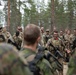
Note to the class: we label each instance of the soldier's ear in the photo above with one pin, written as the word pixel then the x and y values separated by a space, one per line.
pixel 38 39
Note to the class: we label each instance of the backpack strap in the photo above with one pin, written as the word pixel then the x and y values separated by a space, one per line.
pixel 26 58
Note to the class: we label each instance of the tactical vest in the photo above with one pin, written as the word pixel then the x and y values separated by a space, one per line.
pixel 56 43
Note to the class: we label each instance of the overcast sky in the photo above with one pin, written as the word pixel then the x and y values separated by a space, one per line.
pixel 2 3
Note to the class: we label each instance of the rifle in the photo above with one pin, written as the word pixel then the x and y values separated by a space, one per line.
pixel 54 57
pixel 57 52
pixel 48 56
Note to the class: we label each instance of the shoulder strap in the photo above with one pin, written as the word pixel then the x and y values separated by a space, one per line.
pixel 27 58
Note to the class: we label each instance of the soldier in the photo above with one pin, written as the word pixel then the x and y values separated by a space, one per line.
pixel 37 64
pixel 73 43
pixel 68 36
pixel 17 40
pixel 74 35
pixel 20 31
pixel 10 62
pixel 46 36
pixel 42 36
pixel 7 34
pixel 61 35
pixel 55 41
pixel 2 37
pixel 68 41
pixel 72 62
pixel 72 65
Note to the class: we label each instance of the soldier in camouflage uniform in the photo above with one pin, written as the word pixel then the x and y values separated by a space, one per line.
pixel 21 31
pixel 2 37
pixel 7 34
pixel 74 35
pixel 61 35
pixel 46 36
pixel 73 41
pixel 31 39
pixel 68 36
pixel 10 62
pixel 55 41
pixel 17 40
pixel 72 65
pixel 42 36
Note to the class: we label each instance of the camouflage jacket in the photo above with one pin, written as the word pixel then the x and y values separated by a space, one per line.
pixel 44 65
pixel 72 65
pixel 10 62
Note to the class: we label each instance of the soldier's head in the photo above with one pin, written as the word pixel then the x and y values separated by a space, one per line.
pixel 19 29
pixel 66 31
pixel 47 31
pixel 42 29
pixel 10 63
pixel 55 34
pixel 69 32
pixel 31 34
pixel 61 32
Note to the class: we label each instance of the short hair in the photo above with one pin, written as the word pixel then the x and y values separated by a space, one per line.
pixel 31 33
pixel 55 31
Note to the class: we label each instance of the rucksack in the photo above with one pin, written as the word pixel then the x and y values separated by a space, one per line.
pixel 32 65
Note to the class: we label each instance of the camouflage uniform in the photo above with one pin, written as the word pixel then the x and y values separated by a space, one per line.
pixel 44 65
pixel 2 37
pixel 68 37
pixel 72 65
pixel 55 43
pixel 18 41
pixel 10 62
pixel 42 39
pixel 7 35
pixel 46 36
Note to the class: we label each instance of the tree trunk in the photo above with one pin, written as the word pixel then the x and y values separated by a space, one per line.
pixel 70 9
pixel 53 23
pixel 15 18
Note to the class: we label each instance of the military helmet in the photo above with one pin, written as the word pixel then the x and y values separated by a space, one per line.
pixel 10 63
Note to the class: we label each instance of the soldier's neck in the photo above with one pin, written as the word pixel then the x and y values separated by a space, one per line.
pixel 32 47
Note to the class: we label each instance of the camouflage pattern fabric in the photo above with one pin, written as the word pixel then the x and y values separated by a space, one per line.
pixel 2 37
pixel 18 42
pixel 72 65
pixel 10 63
pixel 44 65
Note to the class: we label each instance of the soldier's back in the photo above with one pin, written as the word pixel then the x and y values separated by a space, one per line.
pixel 43 65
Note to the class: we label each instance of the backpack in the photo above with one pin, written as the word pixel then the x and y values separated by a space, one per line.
pixel 32 65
